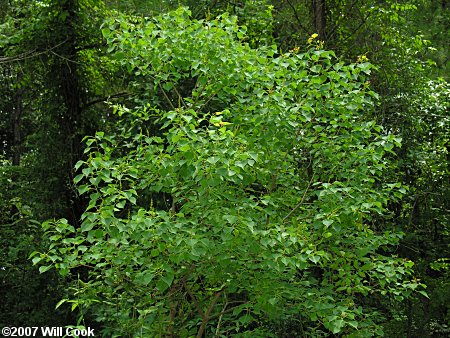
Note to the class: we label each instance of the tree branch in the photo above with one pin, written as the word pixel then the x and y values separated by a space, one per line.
pixel 29 54
pixel 207 315
pixel 297 17
pixel 194 299
pixel 301 201
pixel 106 98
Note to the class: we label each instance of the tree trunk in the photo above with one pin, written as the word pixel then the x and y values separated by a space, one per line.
pixel 319 11
pixel 64 75
pixel 17 118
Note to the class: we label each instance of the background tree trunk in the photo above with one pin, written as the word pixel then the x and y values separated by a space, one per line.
pixel 319 11
pixel 17 118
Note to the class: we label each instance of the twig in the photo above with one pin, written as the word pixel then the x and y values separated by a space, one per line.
pixel 206 317
pixel 301 201
pixel 66 59
pixel 165 95
pixel 194 299
pixel 28 55
pixel 106 98
pixel 180 98
pixel 220 317
pixel 297 17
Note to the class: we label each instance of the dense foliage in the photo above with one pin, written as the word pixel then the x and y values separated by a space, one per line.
pixel 248 169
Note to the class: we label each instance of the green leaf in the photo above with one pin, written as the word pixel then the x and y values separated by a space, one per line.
pixel 43 269
pixel 213 159
pixel 83 189
pixel 120 204
pixel 327 222
pixel 61 302
pixel 145 277
pixel 168 278
pixel 353 323
pixel 87 226
pixel 314 259
pixel 78 164
pixel 36 260
pixel 423 293
pixel 161 286
pixel 327 234
pixel 106 32
pixel 230 218
pixel 337 325
pixel 78 178
pixel 168 86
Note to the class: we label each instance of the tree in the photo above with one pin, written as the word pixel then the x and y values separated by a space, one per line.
pixel 270 177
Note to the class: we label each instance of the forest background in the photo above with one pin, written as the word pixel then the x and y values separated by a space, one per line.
pixel 281 170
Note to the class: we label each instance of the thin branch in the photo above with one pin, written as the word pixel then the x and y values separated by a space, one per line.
pixel 207 317
pixel 297 17
pixel 194 299
pixel 220 316
pixel 333 30
pixel 17 57
pixel 180 98
pixel 165 95
pixel 212 5
pixel 207 101
pixel 301 201
pixel 227 310
pixel 106 98
pixel 364 21
pixel 65 58
pixel 29 54
pixel 91 46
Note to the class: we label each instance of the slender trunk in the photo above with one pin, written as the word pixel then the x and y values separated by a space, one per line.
pixel 409 333
pixel 66 73
pixel 17 118
pixel 319 18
